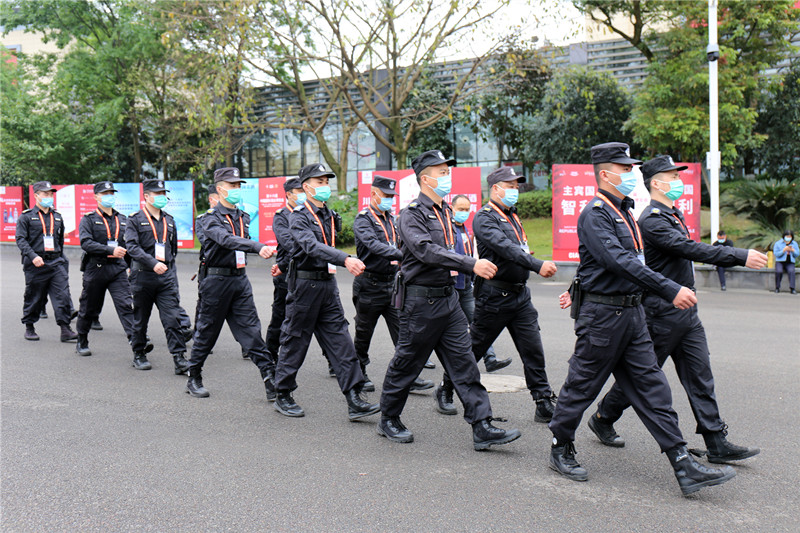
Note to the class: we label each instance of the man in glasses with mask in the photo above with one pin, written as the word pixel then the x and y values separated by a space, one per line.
pixel 611 328
pixel 40 239
pixel 152 243
pixel 313 305
pixel 431 317
pixel 104 265
pixel 670 250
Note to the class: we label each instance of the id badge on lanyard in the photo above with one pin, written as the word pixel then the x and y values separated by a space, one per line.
pixel 393 246
pixel 331 268
pixel 640 257
pixel 112 244
pixel 49 243
pixel 241 262
pixel 161 251
pixel 525 248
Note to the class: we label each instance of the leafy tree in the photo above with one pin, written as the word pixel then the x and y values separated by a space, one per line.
pixel 428 94
pixel 774 206
pixel 580 108
pixel 779 122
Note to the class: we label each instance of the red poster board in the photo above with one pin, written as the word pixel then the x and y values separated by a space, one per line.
pixel 575 185
pixel 12 206
pixel 466 180
pixel 271 197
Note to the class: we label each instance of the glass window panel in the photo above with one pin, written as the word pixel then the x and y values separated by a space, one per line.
pixel 274 141
pixel 291 148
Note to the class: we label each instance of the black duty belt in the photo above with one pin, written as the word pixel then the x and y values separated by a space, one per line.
pixel 619 300
pixel 386 278
pixel 314 274
pixel 429 292
pixel 505 285
pixel 51 255
pixel 222 271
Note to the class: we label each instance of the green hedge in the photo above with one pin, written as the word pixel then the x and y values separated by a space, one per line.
pixel 535 204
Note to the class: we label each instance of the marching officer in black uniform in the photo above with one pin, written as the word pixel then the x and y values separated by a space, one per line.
pixel 293 190
pixel 505 300
pixel 313 305
pixel 225 290
pixel 670 250
pixel 376 244
pixel 152 243
pixel 430 314
pixel 611 328
pixel 40 239
pixel 104 266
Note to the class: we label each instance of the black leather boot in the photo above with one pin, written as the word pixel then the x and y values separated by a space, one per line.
pixel 269 386
pixel 691 475
pixel 368 385
pixel 30 333
pixel 443 396
pixel 545 407
pixel 195 387
pixel 421 384
pixel 562 460
pixel 96 325
pixel 285 405
pixel 358 406
pixel 82 346
pixel 394 430
pixel 605 431
pixel 148 347
pixel 140 361
pixel 43 314
pixel 722 451
pixel 181 364
pixel 493 364
pixel 67 335
pixel 484 434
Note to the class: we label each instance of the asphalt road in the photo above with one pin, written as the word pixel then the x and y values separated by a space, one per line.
pixel 90 444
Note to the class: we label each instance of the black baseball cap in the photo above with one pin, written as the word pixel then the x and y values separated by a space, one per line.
pixel 292 183
pixel 229 174
pixel 431 158
pixel 314 170
pixel 660 163
pixel 619 153
pixel 43 186
pixel 387 185
pixel 154 186
pixel 504 174
pixel 212 189
pixel 104 186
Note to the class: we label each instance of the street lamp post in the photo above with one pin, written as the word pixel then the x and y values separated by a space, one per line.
pixel 713 156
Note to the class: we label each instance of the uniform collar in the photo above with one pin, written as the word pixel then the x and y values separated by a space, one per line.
pixel 665 208
pixel 36 209
pixel 620 203
pixel 226 211
pixel 507 210
pixel 428 202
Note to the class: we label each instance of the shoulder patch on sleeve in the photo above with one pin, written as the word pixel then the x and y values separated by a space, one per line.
pixel 597 203
pixel 487 209
pixel 210 211
pixel 299 207
pixel 200 216
pixel 26 210
pixel 278 210
pixel 132 214
pixel 363 211
pixel 656 210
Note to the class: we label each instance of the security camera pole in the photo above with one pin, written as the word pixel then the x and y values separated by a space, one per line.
pixel 713 156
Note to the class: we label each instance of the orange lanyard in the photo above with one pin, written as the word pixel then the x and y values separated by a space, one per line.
pixel 152 226
pixel 637 237
pixel 467 242
pixel 682 224
pixel 44 228
pixel 241 226
pixel 321 229
pixel 394 235
pixel 108 230
pixel 524 237
pixel 452 242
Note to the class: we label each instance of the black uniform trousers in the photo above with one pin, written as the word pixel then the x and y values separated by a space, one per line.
pixel 679 333
pixel 50 280
pixel 615 339
pixel 496 309
pixel 428 324
pixel 280 291
pixel 97 278
pixel 314 307
pixel 228 298
pixel 162 290
pixel 372 299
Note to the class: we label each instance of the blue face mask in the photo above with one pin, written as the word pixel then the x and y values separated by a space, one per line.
pixel 108 200
pixel 386 203
pixel 461 216
pixel 322 193
pixel 443 185
pixel 628 182
pixel 47 202
pixel 721 241
pixel 160 201
pixel 301 198
pixel 234 196
pixel 788 238
pixel 510 198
